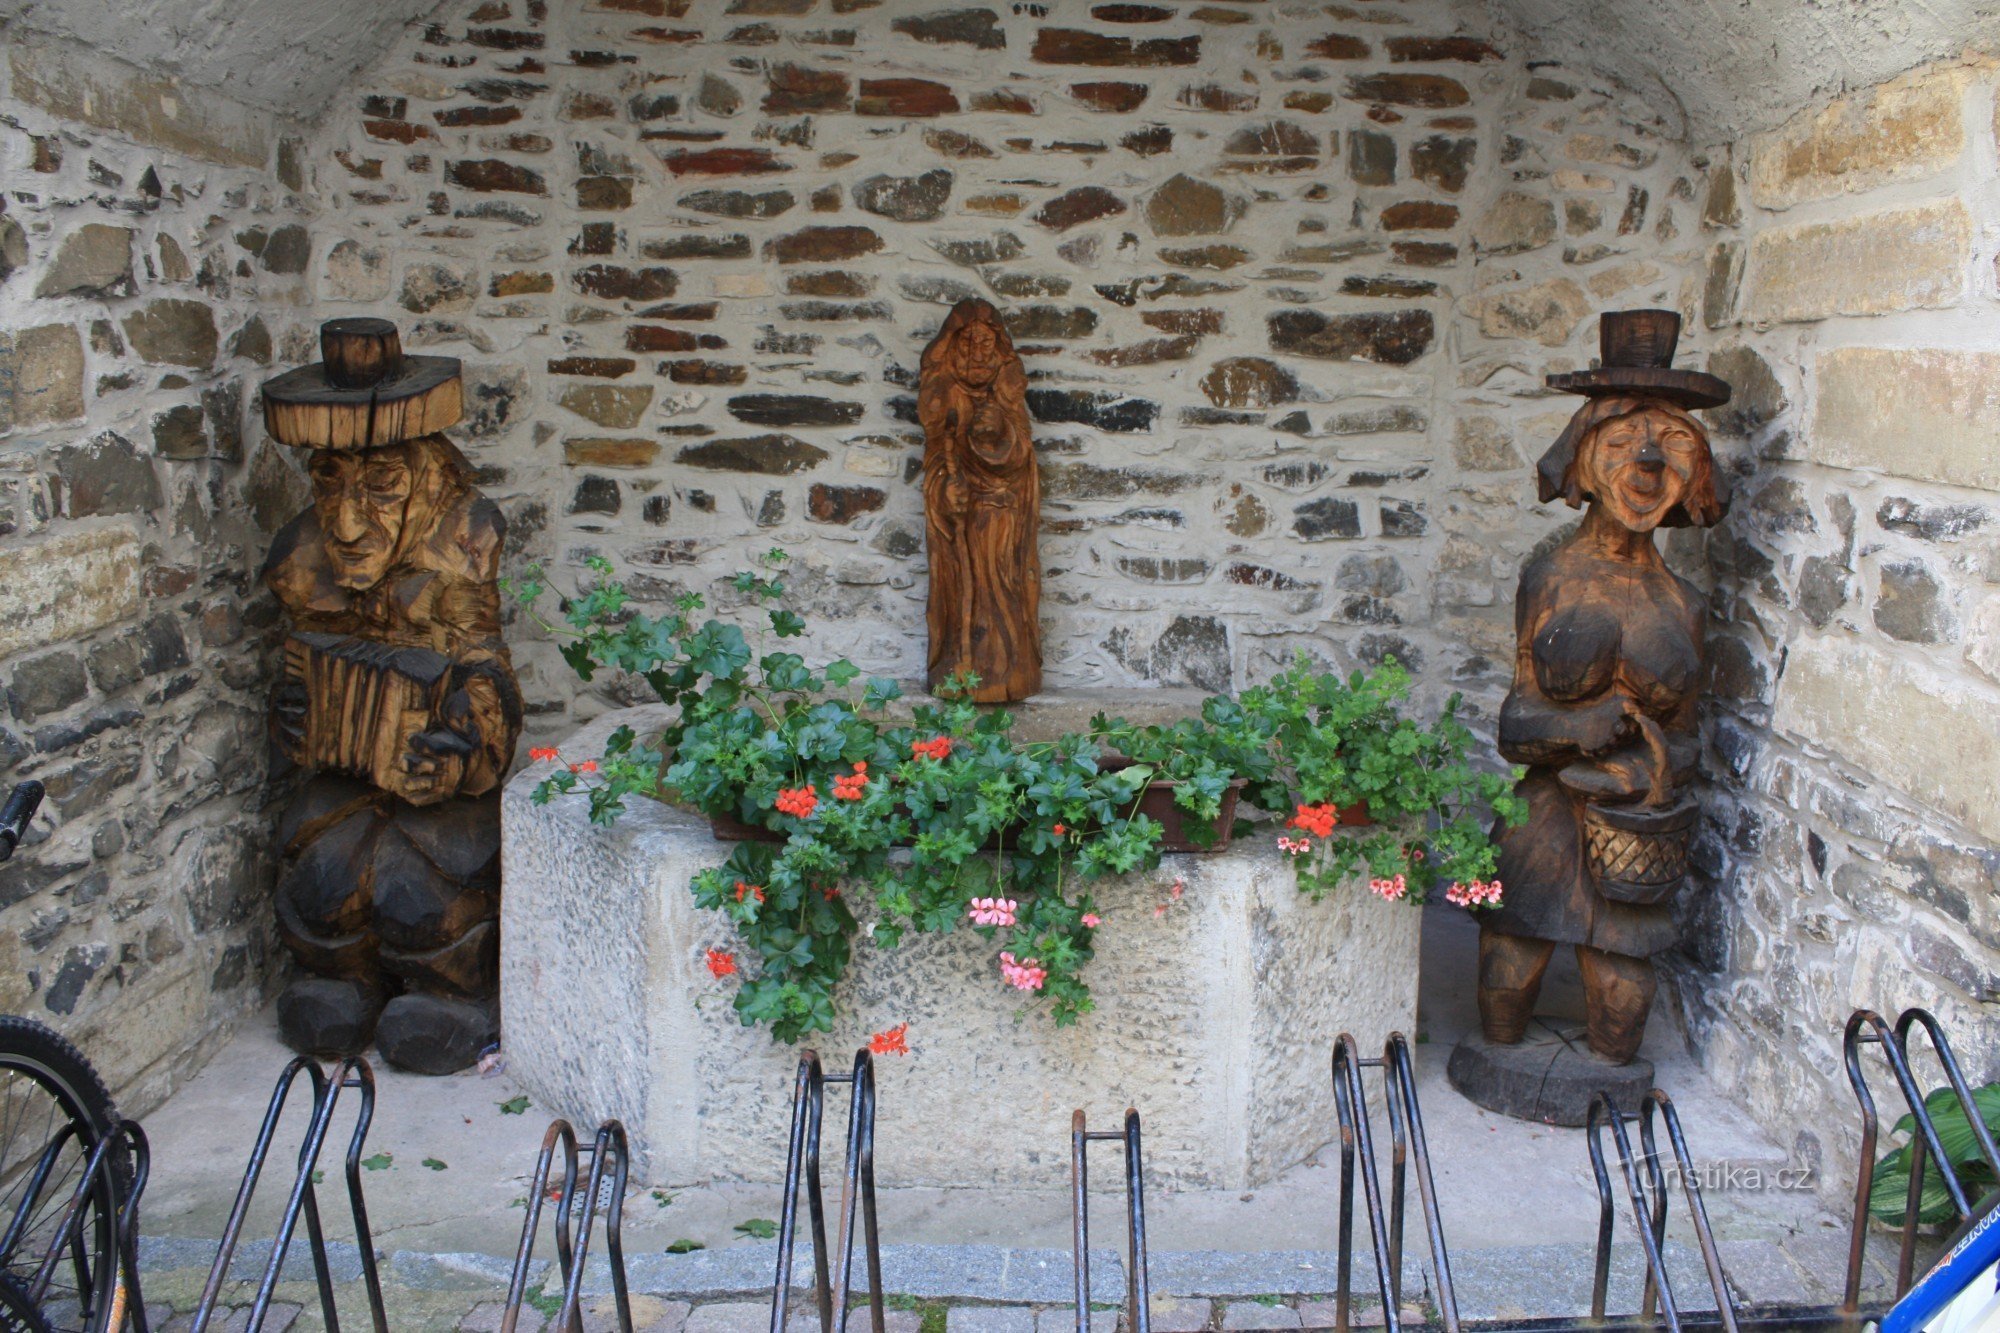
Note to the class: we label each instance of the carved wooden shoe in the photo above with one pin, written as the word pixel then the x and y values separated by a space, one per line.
pixel 328 1016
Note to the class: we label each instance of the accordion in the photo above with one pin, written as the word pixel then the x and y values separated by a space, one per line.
pixel 359 702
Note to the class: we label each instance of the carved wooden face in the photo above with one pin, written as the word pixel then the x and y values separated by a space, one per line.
pixel 976 358
pixel 1639 466
pixel 362 498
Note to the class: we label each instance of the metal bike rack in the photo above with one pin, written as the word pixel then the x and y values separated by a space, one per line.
pixel 1406 1128
pixel 1138 1294
pixel 857 1189
pixel 353 1072
pixel 572 1234
pixel 1868 1028
pixel 1649 1207
pixel 1646 1187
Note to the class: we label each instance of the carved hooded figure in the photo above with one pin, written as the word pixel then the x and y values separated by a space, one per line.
pixel 397 694
pixel 982 508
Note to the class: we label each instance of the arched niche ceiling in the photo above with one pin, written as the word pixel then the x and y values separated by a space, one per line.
pixel 1717 67
pixel 291 57
pixel 1730 67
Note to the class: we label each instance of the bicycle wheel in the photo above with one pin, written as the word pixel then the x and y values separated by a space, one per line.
pixel 18 1314
pixel 54 1110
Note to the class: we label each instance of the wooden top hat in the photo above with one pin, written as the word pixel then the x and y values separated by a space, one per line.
pixel 364 393
pixel 1637 357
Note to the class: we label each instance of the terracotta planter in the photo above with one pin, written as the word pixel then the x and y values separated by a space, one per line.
pixel 1157 804
pixel 1353 816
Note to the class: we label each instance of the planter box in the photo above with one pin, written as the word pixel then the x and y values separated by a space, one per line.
pixel 1216 1019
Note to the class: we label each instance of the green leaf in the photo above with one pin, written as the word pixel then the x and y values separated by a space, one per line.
pixel 379 1162
pixel 841 673
pixel 434 1164
pixel 763 1228
pixel 787 624
pixel 577 654
pixel 685 1247
pixel 661 1198
pixel 515 1105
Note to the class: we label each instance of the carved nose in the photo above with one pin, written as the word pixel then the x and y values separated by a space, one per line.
pixel 348 524
pixel 1651 457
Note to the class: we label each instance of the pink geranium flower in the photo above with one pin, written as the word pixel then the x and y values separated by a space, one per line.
pixel 1026 974
pixel 1479 893
pixel 993 911
pixel 1394 889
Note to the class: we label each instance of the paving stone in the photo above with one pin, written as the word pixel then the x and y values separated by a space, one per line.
pixel 486 1317
pixel 991 1319
pixel 277 1319
pixel 1760 1273
pixel 1168 1314
pixel 729 1317
pixel 1062 1319
pixel 1255 1314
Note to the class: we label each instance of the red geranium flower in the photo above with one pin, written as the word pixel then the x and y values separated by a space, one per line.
pixel 721 963
pixel 892 1041
pixel 798 801
pixel 938 747
pixel 1317 820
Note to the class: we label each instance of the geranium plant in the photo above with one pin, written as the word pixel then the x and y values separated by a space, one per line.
pixel 873 825
pixel 1346 745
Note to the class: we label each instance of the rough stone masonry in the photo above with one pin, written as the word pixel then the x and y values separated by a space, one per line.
pixel 152 253
pixel 1287 278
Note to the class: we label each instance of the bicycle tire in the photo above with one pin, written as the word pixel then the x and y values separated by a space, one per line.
pixel 18 1314
pixel 47 1058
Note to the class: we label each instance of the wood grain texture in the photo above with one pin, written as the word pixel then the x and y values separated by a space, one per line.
pixel 396 691
pixel 982 508
pixel 1610 666
pixel 304 409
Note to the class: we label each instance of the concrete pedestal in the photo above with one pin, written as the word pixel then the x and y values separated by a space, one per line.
pixel 1216 1019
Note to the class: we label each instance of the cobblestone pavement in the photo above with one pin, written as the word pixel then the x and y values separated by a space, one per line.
pixel 985 1289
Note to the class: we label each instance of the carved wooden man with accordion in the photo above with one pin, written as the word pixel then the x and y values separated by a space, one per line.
pixel 396 692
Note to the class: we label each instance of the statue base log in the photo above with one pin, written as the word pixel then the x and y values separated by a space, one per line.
pixel 1216 1018
pixel 1551 1075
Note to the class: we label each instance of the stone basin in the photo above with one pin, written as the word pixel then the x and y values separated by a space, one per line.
pixel 1215 1018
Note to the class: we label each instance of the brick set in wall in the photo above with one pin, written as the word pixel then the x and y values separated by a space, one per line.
pixel 1854 831
pixel 1285 284
pixel 132 638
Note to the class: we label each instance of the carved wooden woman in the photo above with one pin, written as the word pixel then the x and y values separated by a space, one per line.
pixel 982 508
pixel 1608 674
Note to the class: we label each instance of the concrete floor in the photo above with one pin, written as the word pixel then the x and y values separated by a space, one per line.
pixel 1501 1183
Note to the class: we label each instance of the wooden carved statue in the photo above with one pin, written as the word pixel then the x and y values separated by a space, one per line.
pixel 397 694
pixel 1608 674
pixel 982 508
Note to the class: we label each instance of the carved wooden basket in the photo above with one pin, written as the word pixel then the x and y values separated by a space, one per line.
pixel 1638 854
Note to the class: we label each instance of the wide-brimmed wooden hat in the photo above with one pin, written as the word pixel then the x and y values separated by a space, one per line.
pixel 364 393
pixel 1636 356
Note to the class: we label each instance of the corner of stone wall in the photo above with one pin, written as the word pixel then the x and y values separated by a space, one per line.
pixel 1850 851
pixel 154 242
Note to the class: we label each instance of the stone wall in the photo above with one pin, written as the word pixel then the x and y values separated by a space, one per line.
pixel 1286 282
pixel 1851 296
pixel 153 260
